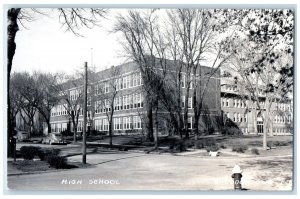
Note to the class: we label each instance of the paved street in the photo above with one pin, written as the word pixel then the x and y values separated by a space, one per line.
pixel 139 171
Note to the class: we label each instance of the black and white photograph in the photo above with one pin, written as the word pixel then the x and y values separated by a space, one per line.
pixel 157 98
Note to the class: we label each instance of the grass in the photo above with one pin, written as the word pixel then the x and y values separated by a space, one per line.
pixel 30 165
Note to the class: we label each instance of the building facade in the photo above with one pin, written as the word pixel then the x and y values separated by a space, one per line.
pixel 123 85
pixel 246 114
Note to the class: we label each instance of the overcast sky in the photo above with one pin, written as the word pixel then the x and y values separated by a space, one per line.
pixel 45 46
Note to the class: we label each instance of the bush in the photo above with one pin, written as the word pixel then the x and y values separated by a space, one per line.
pixel 206 143
pixel 240 148
pixel 222 146
pixel 67 133
pixel 213 148
pixel 232 131
pixel 44 153
pixel 57 162
pixel 178 146
pixel 199 144
pixel 28 152
pixel 255 151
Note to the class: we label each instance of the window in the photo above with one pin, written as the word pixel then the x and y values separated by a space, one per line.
pixel 245 117
pixel 64 126
pixel 190 103
pixel 234 117
pixel 139 100
pixel 105 125
pixel 79 127
pixel 137 122
pixel 227 102
pixel 234 103
pixel 223 102
pixel 89 101
pixel 182 81
pixel 107 105
pixel 121 82
pixel 183 101
pixel 124 82
pixel 191 82
pixel 190 122
pixel 134 79
pixel 106 87
pixel 98 125
pixel 140 79
pixel 89 89
pixel 129 81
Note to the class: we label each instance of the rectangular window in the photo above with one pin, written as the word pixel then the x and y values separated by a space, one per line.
pixel 182 81
pixel 134 80
pixel 190 103
pixel 227 102
pixel 140 79
pixel 64 126
pixel 190 122
pixel 182 101
pixel 124 82
pixel 79 127
pixel 105 125
pixel 98 125
pixel 106 87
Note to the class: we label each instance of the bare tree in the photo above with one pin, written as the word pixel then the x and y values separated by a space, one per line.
pixel 143 45
pixel 26 86
pixel 71 18
pixel 47 89
pixel 197 40
pixel 106 94
pixel 71 97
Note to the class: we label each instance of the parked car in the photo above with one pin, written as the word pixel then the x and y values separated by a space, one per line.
pixel 53 139
pixel 22 135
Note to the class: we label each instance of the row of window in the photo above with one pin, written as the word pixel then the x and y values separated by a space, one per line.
pixel 281 130
pixel 182 82
pixel 59 127
pixel 283 107
pixel 238 117
pixel 244 130
pixel 124 102
pixel 237 103
pixel 59 110
pixel 128 81
pixel 190 102
pixel 127 123
pixel 74 94
pixel 282 119
pixel 120 123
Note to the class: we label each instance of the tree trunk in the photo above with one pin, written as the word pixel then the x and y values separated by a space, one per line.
pixel 156 129
pixel 255 118
pixel 12 28
pixel 49 127
pixel 150 121
pixel 196 127
pixel 110 132
pixel 75 132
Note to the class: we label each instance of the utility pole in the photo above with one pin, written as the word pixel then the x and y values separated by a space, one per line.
pixel 84 115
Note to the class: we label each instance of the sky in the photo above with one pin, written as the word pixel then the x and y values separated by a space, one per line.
pixel 44 45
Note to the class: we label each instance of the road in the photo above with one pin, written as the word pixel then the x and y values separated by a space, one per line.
pixel 139 171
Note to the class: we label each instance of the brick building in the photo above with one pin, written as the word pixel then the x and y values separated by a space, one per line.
pixel 244 112
pixel 124 85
